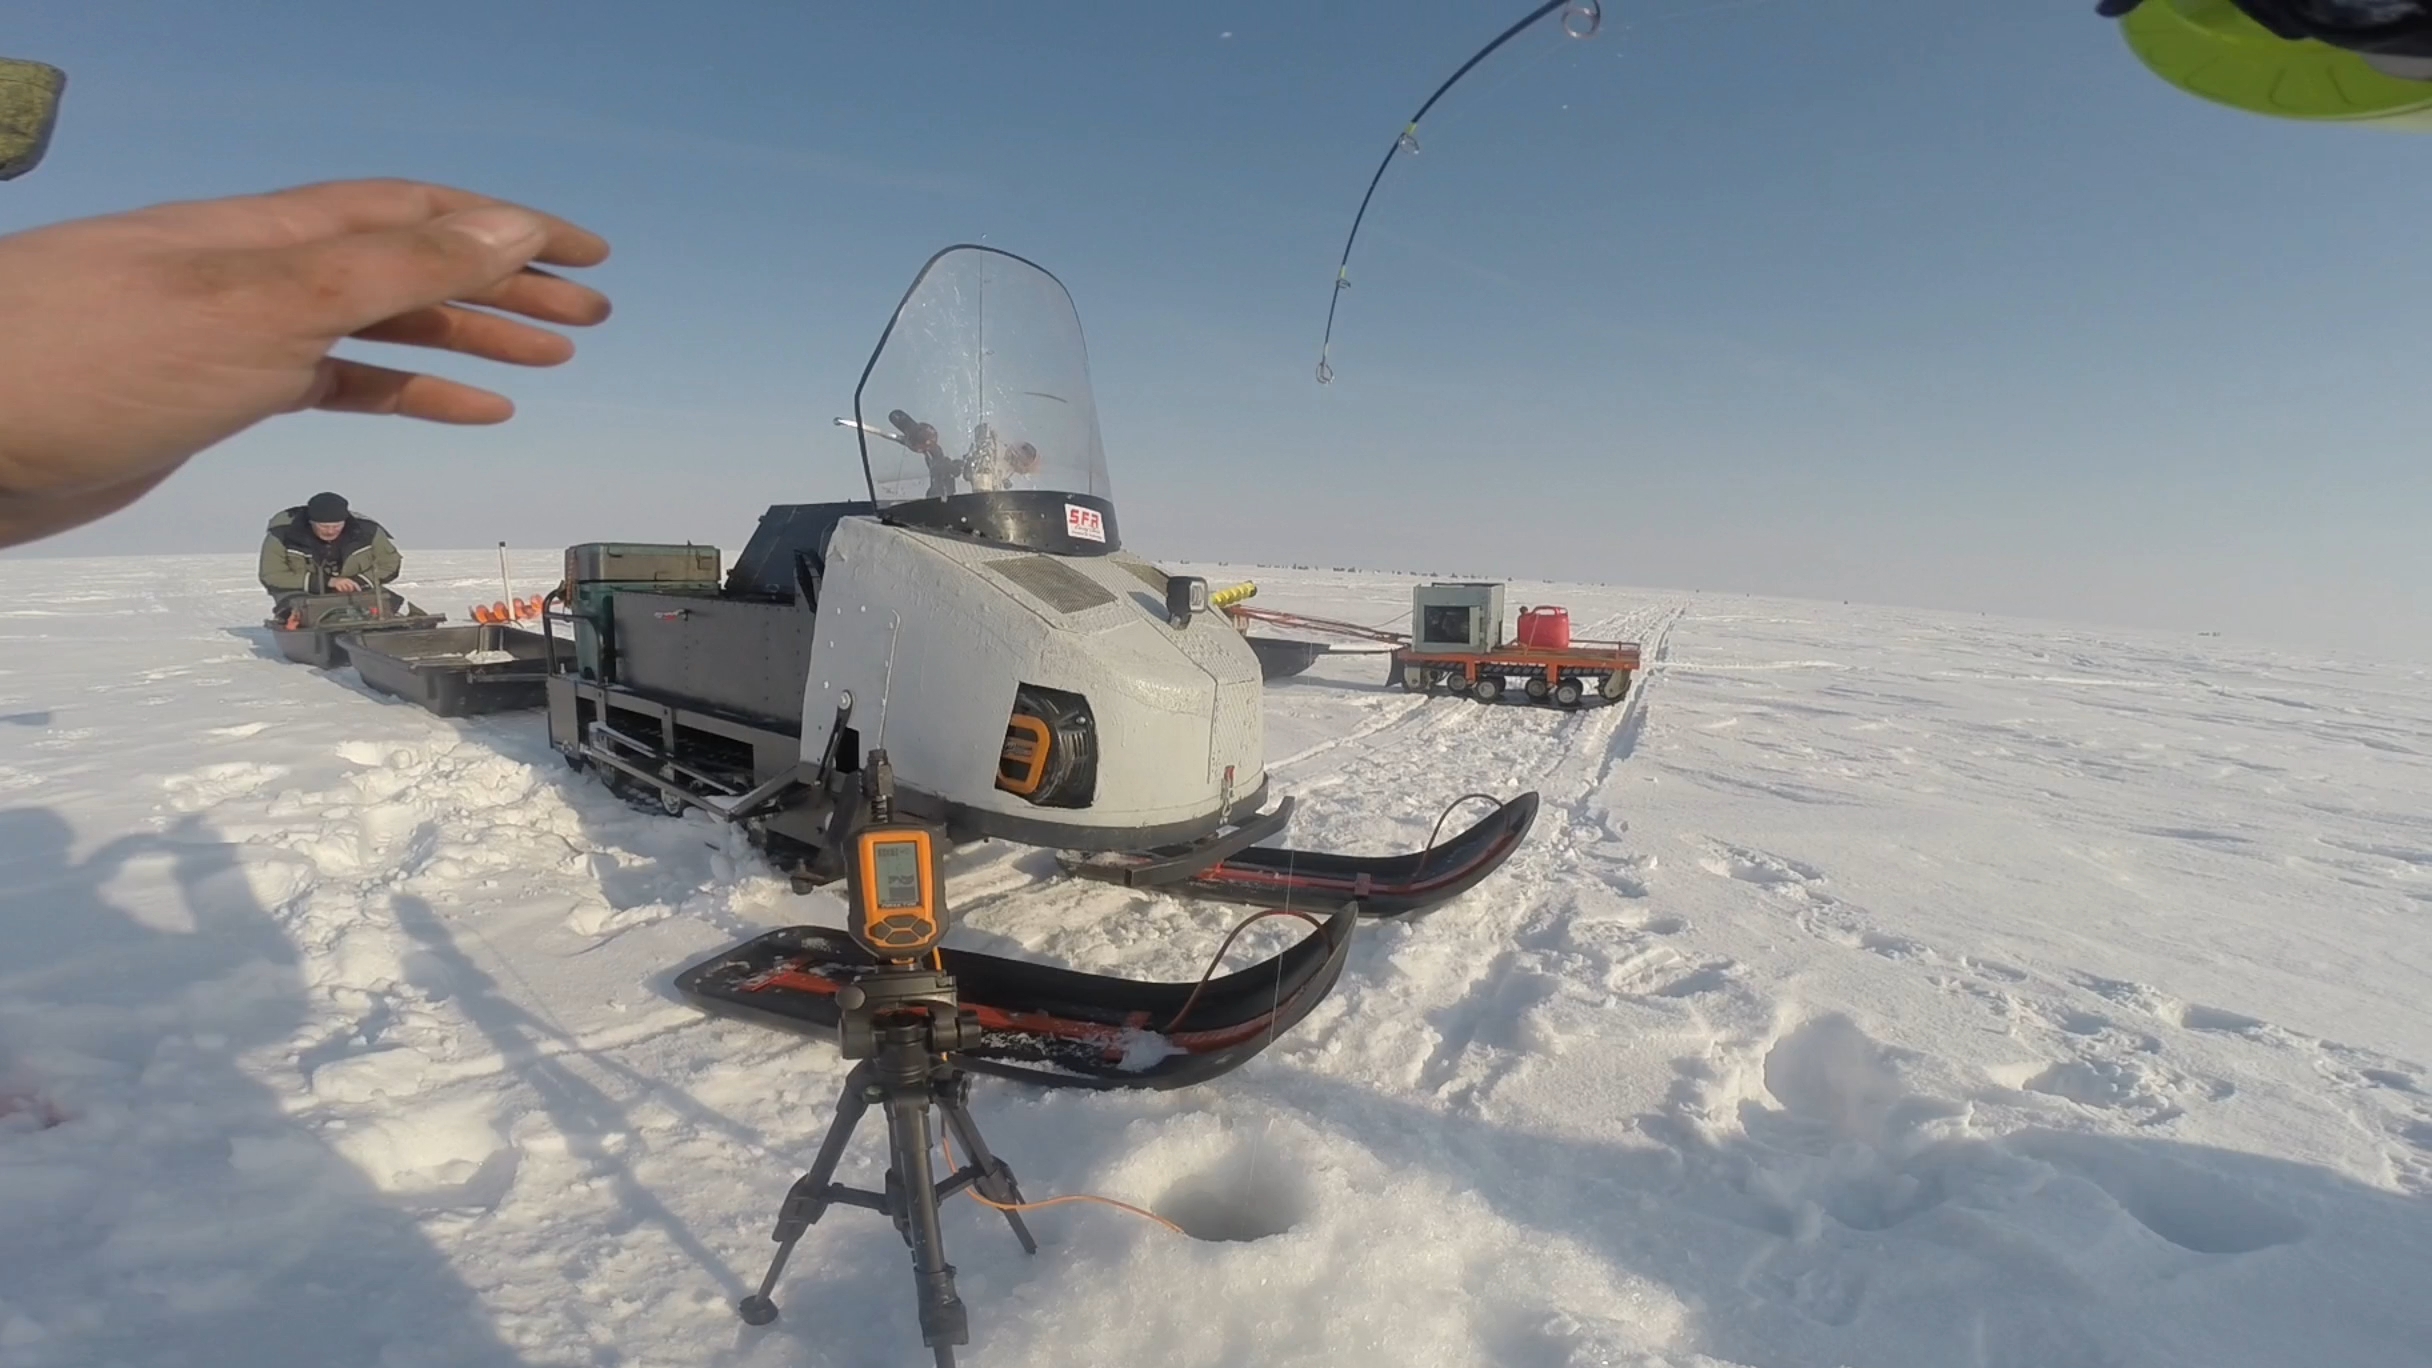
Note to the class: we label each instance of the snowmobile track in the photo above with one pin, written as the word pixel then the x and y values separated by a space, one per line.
pixel 1495 954
pixel 1385 724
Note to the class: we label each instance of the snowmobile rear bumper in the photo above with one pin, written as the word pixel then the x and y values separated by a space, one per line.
pixel 1314 881
pixel 1042 1025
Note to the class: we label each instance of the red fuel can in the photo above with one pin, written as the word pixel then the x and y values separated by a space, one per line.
pixel 1545 629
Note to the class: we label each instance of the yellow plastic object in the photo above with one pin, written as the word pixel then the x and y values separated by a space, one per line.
pixel 29 108
pixel 1226 598
pixel 1022 766
pixel 2210 49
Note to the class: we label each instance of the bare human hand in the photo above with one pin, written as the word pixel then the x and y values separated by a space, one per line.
pixel 344 585
pixel 130 342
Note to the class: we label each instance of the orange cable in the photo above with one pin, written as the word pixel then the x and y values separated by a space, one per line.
pixel 947 1144
pixel 1218 959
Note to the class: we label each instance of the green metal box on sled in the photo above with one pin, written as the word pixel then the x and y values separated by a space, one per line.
pixel 597 571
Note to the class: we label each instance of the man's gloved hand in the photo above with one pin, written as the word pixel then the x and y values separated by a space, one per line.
pixel 130 342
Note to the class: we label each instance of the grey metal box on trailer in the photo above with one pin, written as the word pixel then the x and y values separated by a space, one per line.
pixel 641 563
pixel 1456 617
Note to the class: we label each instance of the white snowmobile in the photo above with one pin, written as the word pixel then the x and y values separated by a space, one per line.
pixel 979 619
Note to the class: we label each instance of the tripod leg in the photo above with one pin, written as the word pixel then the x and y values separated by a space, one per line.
pixel 996 1176
pixel 942 1320
pixel 807 1201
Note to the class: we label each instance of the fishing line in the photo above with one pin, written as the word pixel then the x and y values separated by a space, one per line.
pixel 1524 61
pixel 1580 19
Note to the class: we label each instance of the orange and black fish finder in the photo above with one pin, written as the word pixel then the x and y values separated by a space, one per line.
pixel 894 880
pixel 898 893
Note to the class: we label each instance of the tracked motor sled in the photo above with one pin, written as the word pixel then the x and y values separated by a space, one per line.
pixel 1032 680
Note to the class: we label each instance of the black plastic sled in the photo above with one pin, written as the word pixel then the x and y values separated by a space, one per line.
pixel 1314 881
pixel 430 667
pixel 316 632
pixel 1052 1027
pixel 1281 658
pixel 321 649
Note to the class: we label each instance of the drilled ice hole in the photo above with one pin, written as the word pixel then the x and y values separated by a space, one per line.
pixel 1250 1194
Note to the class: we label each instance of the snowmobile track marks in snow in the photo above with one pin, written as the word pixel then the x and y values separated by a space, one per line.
pixel 1634 716
pixel 1388 722
pixel 1479 1025
pixel 1484 1033
pixel 1762 868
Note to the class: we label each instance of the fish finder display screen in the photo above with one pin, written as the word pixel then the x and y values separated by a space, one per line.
pixel 898 874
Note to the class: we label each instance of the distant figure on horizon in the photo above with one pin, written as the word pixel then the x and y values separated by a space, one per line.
pixel 321 546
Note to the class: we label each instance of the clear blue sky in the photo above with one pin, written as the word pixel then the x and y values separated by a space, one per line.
pixel 1899 301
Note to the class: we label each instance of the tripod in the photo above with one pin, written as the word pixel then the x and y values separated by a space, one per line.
pixel 903 1025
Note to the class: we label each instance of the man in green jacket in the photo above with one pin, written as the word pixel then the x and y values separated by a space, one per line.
pixel 322 547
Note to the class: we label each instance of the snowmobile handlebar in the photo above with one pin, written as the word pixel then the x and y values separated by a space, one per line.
pixel 917 435
pixel 921 439
pixel 898 439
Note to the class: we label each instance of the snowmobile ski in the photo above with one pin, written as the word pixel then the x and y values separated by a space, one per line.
pixel 1315 881
pixel 1043 1025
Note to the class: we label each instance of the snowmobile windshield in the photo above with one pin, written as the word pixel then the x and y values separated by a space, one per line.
pixel 975 414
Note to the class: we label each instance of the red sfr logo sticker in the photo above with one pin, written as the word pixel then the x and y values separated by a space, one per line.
pixel 1086 523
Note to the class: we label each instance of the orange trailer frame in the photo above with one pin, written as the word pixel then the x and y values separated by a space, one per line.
pixel 1485 675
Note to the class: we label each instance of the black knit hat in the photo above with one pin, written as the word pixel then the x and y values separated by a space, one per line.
pixel 326 508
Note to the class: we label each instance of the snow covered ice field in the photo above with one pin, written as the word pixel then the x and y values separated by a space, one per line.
pixel 1879 988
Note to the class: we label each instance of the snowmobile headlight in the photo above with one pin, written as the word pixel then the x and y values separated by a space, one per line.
pixel 1050 755
pixel 1185 596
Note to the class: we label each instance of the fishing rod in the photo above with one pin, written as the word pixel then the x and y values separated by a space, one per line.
pixel 1580 19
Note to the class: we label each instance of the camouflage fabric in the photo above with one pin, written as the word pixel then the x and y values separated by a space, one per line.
pixel 29 108
pixel 296 562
